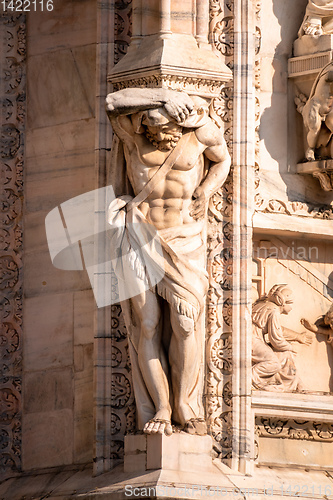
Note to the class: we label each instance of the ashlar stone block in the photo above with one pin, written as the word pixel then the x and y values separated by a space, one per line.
pixel 179 452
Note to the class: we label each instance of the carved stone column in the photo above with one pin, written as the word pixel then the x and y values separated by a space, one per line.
pixel 243 208
pixel 168 50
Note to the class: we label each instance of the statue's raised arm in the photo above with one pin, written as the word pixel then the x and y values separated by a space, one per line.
pixel 128 101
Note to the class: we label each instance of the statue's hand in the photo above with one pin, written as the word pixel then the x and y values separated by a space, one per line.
pixel 198 206
pixel 309 326
pixel 305 338
pixel 178 105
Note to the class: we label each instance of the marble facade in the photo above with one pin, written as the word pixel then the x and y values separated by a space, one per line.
pixel 69 417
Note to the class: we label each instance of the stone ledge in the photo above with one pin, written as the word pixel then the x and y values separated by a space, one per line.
pixel 292 226
pixel 301 406
pixel 307 45
pixel 266 482
pixel 311 167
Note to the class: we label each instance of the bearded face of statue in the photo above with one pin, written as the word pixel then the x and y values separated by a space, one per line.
pixel 164 137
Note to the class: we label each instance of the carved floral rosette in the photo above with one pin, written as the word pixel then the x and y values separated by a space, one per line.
pixel 13 52
pixel 122 28
pixel 123 414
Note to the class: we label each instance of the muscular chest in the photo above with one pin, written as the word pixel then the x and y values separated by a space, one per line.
pixel 152 158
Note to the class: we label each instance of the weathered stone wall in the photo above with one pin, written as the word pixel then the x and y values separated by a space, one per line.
pixel 58 305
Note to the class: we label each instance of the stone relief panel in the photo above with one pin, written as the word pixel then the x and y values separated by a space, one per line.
pixel 307 268
pixel 280 152
pixel 12 95
pixel 278 205
pixel 273 364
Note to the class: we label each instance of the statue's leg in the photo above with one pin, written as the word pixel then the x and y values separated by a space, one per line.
pixel 329 121
pixel 313 122
pixel 184 357
pixel 328 26
pixel 152 362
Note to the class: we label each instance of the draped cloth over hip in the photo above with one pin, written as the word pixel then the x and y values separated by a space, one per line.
pixel 322 8
pixel 183 284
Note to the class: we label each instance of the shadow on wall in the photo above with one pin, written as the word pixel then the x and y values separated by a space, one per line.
pixel 330 346
pixel 286 146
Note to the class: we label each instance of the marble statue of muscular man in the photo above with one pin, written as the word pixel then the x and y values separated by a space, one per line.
pixel 318 19
pixel 163 322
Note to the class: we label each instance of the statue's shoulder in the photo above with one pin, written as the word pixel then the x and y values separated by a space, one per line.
pixel 209 134
pixel 265 306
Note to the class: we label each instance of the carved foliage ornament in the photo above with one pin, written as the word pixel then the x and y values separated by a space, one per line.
pixel 12 95
pixel 294 429
pixel 123 419
pixel 220 256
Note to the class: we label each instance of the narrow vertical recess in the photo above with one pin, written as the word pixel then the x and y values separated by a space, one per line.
pixel 243 206
pixel 165 13
pixel 136 21
pixel 202 21
pixel 105 49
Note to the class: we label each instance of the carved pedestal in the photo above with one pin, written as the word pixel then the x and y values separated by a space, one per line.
pixel 181 452
pixel 311 46
pixel 321 169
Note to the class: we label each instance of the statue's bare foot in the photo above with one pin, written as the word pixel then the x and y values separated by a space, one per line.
pixel 196 426
pixel 158 426
pixel 309 154
pixel 312 26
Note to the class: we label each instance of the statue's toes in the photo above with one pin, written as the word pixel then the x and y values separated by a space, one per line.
pixel 196 426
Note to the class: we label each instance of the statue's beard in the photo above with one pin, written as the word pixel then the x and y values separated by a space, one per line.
pixel 168 142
